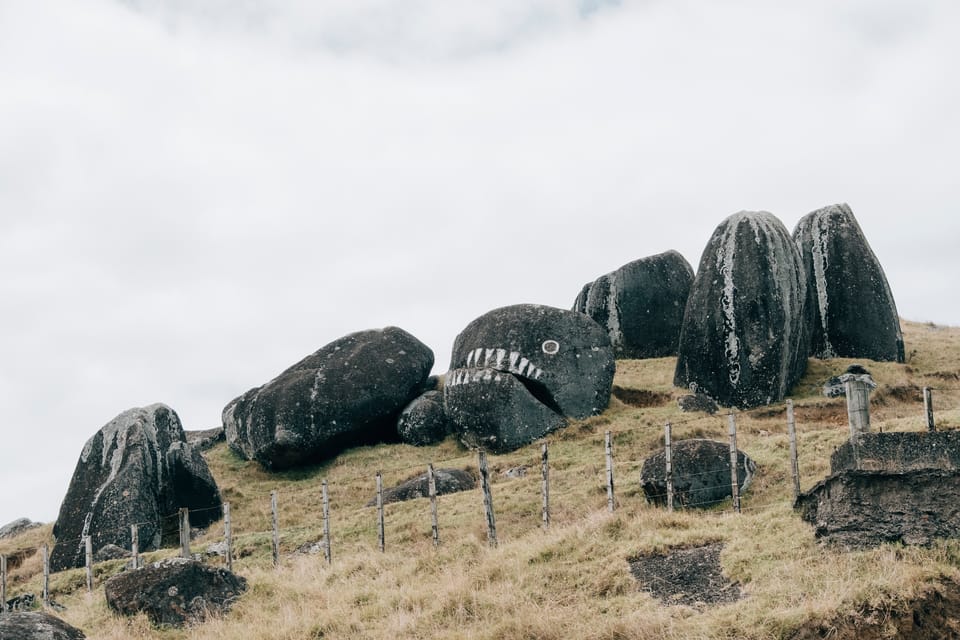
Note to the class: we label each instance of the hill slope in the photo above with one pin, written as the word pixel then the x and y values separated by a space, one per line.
pixel 573 579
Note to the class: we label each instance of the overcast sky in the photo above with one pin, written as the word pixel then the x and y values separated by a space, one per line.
pixel 194 194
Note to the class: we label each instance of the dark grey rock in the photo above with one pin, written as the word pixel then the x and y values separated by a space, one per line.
pixel 850 308
pixel 30 625
pixel 515 472
pixel 175 592
pixel 701 473
pixel 206 439
pixel 744 341
pixel 140 469
pixel 858 509
pixel 518 372
pixel 898 451
pixel 641 305
pixel 349 392
pixel 111 552
pixel 22 602
pixel 424 421
pixel 697 402
pixel 835 386
pixel 446 481
pixel 18 526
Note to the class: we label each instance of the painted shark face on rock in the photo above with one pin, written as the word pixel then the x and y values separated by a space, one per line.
pixel 518 372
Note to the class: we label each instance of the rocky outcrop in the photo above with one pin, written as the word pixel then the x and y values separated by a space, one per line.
pixel 850 308
pixel 697 402
pixel 111 552
pixel 175 592
pixel 701 473
pixel 138 468
pixel 206 439
pixel 424 421
pixel 349 392
pixel 18 526
pixel 640 305
pixel 743 340
pixel 445 480
pixel 29 625
pixel 518 372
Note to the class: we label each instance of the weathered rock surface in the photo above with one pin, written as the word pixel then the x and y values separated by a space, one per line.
pixel 424 421
pixel 138 468
pixel 29 625
pixel 641 305
pixel 701 473
pixel 22 602
pixel 850 308
pixel 697 402
pixel 111 552
pixel 349 392
pixel 446 481
pixel 888 487
pixel 743 340
pixel 518 372
pixel 18 526
pixel 206 438
pixel 175 592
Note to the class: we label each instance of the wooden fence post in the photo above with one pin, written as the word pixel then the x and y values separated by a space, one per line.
pixel 184 532
pixel 545 484
pixel 381 533
pixel 609 453
pixel 794 461
pixel 3 584
pixel 734 476
pixel 228 535
pixel 928 408
pixel 45 588
pixel 135 545
pixel 434 521
pixel 668 462
pixel 88 553
pixel 326 523
pixel 275 515
pixel 487 499
pixel 858 403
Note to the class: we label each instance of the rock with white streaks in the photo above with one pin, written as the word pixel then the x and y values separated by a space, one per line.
pixel 518 372
pixel 641 305
pixel 347 393
pixel 850 308
pixel 744 339
pixel 139 469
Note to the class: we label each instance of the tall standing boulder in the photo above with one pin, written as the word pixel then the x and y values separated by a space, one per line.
pixel 139 469
pixel 349 392
pixel 743 340
pixel 641 305
pixel 850 308
pixel 518 372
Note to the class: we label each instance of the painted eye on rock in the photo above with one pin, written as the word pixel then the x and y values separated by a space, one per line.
pixel 550 347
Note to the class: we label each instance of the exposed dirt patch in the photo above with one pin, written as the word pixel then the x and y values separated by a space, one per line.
pixel 933 615
pixel 690 576
pixel 827 413
pixel 640 397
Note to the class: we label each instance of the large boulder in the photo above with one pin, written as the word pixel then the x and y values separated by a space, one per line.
pixel 175 592
pixel 424 421
pixel 18 526
pixel 444 480
pixel 850 308
pixel 139 469
pixel 30 625
pixel 701 473
pixel 641 305
pixel 347 393
pixel 743 341
pixel 518 372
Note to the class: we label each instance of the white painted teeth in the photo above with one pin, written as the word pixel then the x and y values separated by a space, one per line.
pixel 514 356
pixel 523 365
pixel 499 360
pixel 501 354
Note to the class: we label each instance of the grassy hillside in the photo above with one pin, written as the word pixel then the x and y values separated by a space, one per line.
pixel 572 580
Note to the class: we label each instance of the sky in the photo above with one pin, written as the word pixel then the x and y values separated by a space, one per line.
pixel 195 194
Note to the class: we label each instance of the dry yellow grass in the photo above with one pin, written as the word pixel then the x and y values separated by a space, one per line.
pixel 572 580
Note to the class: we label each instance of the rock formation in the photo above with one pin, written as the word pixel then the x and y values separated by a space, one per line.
pixel 640 305
pixel 701 473
pixel 424 421
pixel 137 469
pixel 850 308
pixel 175 592
pixel 347 393
pixel 518 372
pixel 445 481
pixel 18 526
pixel 30 625
pixel 743 341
